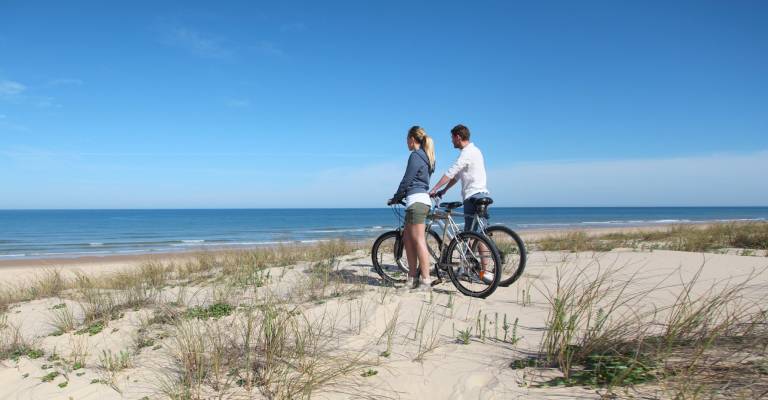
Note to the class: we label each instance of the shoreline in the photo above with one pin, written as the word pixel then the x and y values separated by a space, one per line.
pixel 78 260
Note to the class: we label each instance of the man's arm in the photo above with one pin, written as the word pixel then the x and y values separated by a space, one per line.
pixel 450 176
pixel 448 182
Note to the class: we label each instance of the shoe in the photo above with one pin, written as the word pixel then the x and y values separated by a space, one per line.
pixel 424 285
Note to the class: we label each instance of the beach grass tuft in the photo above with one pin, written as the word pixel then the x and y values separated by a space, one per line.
pixel 693 238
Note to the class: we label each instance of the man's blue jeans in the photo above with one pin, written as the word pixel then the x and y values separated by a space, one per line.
pixel 470 210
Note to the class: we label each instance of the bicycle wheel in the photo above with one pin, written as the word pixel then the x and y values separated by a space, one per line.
pixel 434 247
pixel 386 255
pixel 473 264
pixel 511 251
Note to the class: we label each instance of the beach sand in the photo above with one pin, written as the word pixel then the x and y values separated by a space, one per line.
pixel 425 360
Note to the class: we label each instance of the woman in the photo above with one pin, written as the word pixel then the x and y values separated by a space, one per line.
pixel 414 189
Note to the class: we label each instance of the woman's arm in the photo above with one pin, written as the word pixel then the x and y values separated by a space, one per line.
pixel 410 173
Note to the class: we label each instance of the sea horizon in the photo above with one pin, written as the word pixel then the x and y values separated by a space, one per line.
pixel 54 233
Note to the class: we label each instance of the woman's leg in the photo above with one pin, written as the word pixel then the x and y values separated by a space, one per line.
pixel 418 236
pixel 410 251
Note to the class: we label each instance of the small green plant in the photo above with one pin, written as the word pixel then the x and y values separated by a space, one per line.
pixel 59 306
pixel 215 311
pixel 514 339
pixel 63 384
pixel 78 365
pixel 50 376
pixel 618 370
pixel 369 372
pixel 531 362
pixel 143 342
pixel 92 329
pixel 465 335
pixel 34 353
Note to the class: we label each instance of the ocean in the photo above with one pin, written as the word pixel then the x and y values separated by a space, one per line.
pixel 73 233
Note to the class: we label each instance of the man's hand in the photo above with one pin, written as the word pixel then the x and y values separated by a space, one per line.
pixel 437 193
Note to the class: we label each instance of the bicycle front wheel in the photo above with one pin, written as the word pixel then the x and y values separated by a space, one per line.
pixel 388 257
pixel 512 252
pixel 473 263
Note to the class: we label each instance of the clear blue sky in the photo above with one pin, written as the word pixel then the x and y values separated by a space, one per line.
pixel 306 104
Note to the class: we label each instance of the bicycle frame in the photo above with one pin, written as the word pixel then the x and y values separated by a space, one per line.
pixel 449 227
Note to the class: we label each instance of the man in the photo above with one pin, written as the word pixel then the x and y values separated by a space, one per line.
pixel 470 169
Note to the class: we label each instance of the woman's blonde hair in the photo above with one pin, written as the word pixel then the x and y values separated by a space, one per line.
pixel 427 144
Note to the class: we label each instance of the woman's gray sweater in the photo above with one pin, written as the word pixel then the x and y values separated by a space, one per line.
pixel 416 177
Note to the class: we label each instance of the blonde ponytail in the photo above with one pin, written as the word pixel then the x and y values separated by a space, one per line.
pixel 429 147
pixel 426 143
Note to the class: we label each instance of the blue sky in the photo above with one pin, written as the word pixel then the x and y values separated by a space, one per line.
pixel 306 104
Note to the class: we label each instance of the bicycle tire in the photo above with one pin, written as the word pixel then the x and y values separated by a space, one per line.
pixel 434 247
pixel 471 268
pixel 386 256
pixel 511 251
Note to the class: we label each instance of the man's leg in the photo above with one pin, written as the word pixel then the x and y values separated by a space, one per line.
pixel 471 225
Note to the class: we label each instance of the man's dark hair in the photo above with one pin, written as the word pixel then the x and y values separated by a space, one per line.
pixel 461 131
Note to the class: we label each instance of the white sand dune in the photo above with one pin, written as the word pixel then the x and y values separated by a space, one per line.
pixel 426 361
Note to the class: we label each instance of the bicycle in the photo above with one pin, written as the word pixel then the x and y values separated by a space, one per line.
pixel 510 245
pixel 387 253
pixel 471 259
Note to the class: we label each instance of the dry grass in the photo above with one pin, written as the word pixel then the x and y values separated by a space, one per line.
pixel 602 331
pixel 12 342
pixel 753 236
pixel 271 350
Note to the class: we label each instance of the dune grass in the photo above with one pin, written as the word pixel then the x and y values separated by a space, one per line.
pixel 602 331
pixel 271 350
pixel 752 236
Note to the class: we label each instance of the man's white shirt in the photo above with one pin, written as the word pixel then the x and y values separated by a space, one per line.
pixel 470 168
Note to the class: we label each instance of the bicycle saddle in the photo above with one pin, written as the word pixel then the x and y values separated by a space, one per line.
pixel 483 201
pixel 451 205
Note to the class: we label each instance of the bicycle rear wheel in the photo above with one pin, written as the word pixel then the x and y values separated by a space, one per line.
pixel 473 264
pixel 387 255
pixel 511 251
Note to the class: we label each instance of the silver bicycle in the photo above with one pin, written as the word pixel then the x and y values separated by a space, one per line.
pixel 470 259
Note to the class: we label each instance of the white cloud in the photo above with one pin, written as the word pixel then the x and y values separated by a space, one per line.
pixel 365 181
pixel 197 43
pixel 11 88
pixel 713 180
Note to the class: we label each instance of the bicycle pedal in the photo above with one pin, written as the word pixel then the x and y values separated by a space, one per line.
pixel 437 281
